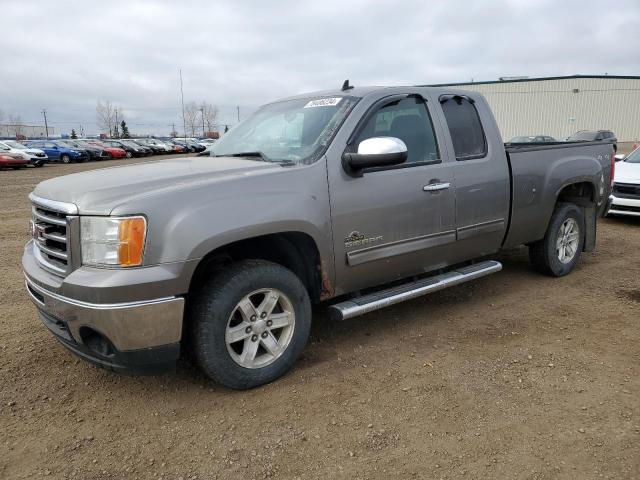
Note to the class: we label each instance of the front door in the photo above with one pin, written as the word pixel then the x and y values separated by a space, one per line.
pixel 393 222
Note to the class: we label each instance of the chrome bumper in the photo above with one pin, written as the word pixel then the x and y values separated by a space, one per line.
pixel 624 206
pixel 128 326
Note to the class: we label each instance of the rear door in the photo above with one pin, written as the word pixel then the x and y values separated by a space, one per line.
pixel 481 175
pixel 392 222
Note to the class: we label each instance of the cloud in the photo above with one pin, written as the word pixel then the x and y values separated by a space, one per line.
pixel 67 55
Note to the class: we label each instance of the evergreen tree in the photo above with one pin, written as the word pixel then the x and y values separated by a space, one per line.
pixel 73 134
pixel 124 129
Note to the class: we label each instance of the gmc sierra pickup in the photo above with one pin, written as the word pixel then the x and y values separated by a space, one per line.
pixel 357 198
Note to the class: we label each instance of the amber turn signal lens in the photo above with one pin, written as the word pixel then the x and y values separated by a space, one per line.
pixel 131 235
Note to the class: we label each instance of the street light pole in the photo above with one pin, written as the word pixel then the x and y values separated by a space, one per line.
pixel 184 122
pixel 202 112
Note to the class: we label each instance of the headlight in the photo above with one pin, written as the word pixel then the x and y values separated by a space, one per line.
pixel 113 241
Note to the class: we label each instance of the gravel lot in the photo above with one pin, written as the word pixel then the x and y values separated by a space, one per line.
pixel 512 376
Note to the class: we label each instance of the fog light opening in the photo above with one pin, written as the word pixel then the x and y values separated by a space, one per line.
pixel 96 342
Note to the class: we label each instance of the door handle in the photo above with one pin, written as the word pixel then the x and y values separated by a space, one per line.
pixel 436 187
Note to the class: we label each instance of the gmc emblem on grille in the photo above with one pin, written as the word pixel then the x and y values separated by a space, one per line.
pixel 36 231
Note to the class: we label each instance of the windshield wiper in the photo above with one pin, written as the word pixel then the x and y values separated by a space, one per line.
pixel 260 155
pixel 249 154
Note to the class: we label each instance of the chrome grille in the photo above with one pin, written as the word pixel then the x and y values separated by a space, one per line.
pixel 51 225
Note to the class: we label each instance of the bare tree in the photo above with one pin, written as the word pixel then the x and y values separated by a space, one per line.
pixel 191 111
pixel 18 126
pixel 210 115
pixel 106 116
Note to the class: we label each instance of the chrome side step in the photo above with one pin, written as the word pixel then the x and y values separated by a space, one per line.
pixel 377 300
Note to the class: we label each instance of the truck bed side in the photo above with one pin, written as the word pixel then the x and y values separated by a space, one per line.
pixel 540 173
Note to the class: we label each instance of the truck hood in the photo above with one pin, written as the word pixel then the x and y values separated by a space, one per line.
pixel 627 172
pixel 98 192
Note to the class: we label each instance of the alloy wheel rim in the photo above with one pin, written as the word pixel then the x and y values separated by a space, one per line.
pixel 568 240
pixel 260 328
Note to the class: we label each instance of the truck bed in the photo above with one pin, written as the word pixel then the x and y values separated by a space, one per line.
pixel 540 171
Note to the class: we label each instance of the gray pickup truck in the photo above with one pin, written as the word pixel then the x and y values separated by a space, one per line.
pixel 356 199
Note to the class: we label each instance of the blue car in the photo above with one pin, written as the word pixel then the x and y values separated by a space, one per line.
pixel 59 152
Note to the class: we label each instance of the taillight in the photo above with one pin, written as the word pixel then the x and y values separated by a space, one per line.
pixel 613 167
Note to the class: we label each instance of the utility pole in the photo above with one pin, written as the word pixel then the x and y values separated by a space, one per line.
pixel 81 131
pixel 184 122
pixel 116 127
pixel 202 112
pixel 238 109
pixel 173 130
pixel 46 125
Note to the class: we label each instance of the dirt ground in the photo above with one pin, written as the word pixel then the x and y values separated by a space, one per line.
pixel 512 376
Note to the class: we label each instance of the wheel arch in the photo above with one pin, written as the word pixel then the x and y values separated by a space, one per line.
pixel 294 250
pixel 582 194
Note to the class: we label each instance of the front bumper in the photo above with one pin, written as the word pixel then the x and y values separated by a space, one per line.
pixel 624 206
pixel 141 337
pixel 97 314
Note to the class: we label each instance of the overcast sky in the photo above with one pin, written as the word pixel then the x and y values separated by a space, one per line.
pixel 65 55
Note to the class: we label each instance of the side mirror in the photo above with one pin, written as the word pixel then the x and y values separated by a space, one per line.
pixel 375 152
pixel 619 157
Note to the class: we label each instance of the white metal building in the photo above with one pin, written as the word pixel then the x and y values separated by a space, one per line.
pixel 560 106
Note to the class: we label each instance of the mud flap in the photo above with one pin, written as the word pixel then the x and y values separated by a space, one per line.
pixel 590 227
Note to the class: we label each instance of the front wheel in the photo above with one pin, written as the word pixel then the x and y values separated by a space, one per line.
pixel 249 323
pixel 559 251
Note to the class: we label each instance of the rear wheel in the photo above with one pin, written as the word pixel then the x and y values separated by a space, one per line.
pixel 559 251
pixel 249 323
pixel 64 158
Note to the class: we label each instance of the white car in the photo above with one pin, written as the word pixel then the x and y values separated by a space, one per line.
pixel 625 197
pixel 35 156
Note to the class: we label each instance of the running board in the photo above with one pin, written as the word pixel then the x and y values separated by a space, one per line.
pixel 384 298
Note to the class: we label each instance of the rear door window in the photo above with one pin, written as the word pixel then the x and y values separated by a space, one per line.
pixel 464 124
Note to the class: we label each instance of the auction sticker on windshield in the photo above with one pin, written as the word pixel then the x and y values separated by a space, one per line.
pixel 323 102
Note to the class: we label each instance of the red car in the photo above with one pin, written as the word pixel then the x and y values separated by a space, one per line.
pixel 12 161
pixel 115 152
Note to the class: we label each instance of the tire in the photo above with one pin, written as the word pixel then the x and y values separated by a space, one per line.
pixel 214 309
pixel 64 158
pixel 545 255
pixel 38 164
pixel 129 155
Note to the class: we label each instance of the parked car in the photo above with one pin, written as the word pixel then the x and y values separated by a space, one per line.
pixel 112 151
pixel 134 148
pixel 206 142
pixel 129 150
pixel 625 198
pixel 177 147
pixel 326 197
pixel 157 146
pixel 191 144
pixel 94 152
pixel 595 136
pixel 533 139
pixel 34 156
pixel 12 160
pixel 208 152
pixel 58 151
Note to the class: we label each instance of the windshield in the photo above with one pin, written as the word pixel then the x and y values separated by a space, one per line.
pixel 582 136
pixel 634 157
pixel 290 131
pixel 14 144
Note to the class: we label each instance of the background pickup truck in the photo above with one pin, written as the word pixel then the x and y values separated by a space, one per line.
pixel 356 198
